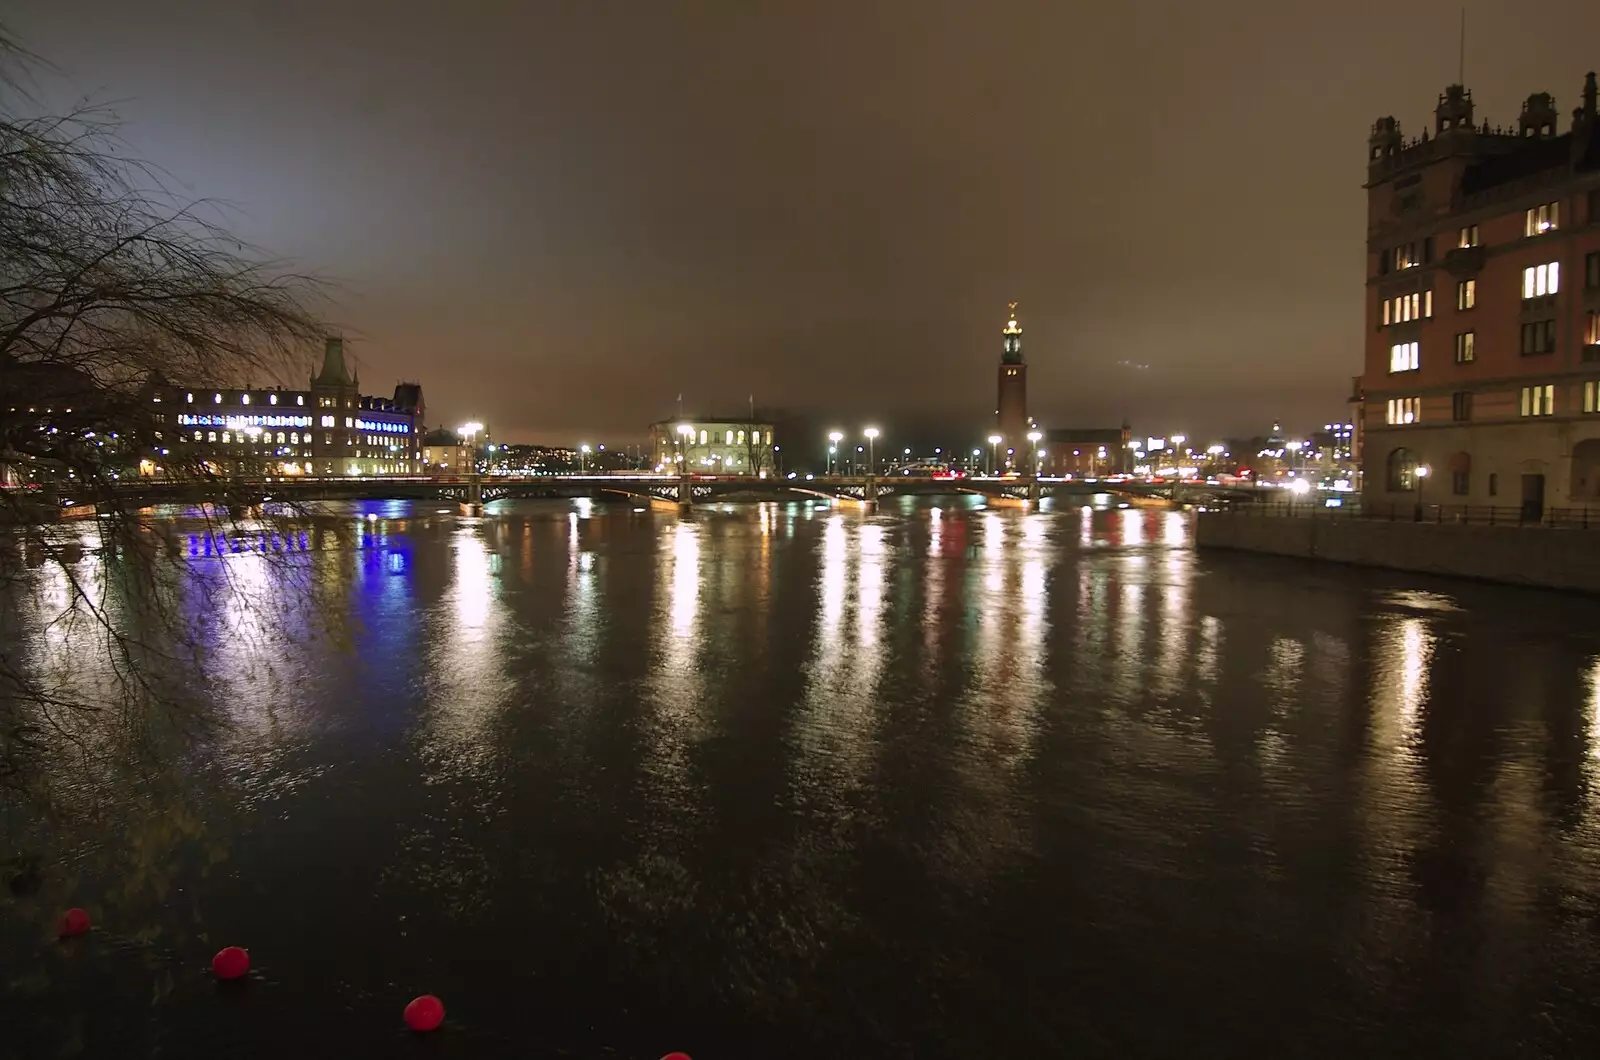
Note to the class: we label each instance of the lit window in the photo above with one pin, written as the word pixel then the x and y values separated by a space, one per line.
pixel 190 398
pixel 211 436
pixel 1542 218
pixel 1427 304
pixel 294 437
pixel 741 437
pixel 1591 328
pixel 1404 410
pixel 1589 396
pixel 198 437
pixel 1468 237
pixel 226 437
pixel 1464 343
pixel 327 421
pixel 1539 400
pixel 1404 357
pixel 216 399
pixel 244 399
pixel 272 399
pixel 280 437
pixel 730 439
pixel 1386 320
pixel 1466 294
pixel 1540 280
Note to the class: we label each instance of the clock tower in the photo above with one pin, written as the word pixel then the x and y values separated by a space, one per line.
pixel 1011 396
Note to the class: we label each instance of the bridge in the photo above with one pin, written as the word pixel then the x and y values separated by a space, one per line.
pixel 666 491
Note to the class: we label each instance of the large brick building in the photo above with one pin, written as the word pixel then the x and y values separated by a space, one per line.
pixel 328 429
pixel 1482 359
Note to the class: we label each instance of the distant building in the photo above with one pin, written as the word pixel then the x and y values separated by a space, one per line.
pixel 328 429
pixel 1483 309
pixel 444 453
pixel 713 446
pixel 1091 452
pixel 1011 398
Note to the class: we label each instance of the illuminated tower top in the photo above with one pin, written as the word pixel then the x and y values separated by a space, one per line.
pixel 1011 351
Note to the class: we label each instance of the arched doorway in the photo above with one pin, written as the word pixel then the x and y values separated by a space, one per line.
pixel 1402 470
pixel 1585 487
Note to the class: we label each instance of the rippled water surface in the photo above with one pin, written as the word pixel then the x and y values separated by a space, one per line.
pixel 779 780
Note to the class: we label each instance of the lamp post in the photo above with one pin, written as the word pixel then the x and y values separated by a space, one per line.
pixel 583 458
pixel 835 437
pixel 872 436
pixel 1421 475
pixel 1033 440
pixel 994 451
pixel 976 453
pixel 474 502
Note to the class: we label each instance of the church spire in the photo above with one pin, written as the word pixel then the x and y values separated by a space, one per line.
pixel 1011 348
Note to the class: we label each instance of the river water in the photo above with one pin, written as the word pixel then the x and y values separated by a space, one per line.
pixel 782 780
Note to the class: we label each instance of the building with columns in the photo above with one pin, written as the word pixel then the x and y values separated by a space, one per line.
pixel 1481 375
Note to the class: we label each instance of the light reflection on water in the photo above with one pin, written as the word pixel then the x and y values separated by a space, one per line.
pixel 775 776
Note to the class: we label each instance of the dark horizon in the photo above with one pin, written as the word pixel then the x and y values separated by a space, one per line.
pixel 560 219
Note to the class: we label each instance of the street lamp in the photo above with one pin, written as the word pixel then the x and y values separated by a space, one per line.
pixel 469 431
pixel 833 450
pixel 872 436
pixel 583 458
pixel 1033 437
pixel 1421 475
pixel 994 442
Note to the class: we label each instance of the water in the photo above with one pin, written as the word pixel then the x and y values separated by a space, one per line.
pixel 785 781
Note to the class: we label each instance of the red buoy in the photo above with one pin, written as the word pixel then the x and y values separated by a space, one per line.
pixel 425 1013
pixel 74 922
pixel 231 962
pixel 677 1056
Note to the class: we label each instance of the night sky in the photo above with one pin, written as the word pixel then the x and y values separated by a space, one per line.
pixel 559 216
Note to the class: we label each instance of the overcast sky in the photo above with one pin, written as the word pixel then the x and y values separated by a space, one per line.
pixel 558 216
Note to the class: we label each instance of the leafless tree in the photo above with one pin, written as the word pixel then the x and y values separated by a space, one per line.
pixel 107 281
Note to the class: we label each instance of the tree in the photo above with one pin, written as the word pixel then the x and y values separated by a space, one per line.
pixel 107 282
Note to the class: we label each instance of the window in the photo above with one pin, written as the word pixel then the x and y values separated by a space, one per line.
pixel 1494 483
pixel 1404 357
pixel 1405 256
pixel 300 399
pixel 327 421
pixel 1591 397
pixel 211 436
pixel 702 437
pixel 1464 343
pixel 189 398
pixel 349 421
pixel 1591 268
pixel 741 437
pixel 1591 328
pixel 1386 312
pixel 1542 218
pixel 1461 483
pixel 1427 250
pixel 1461 405
pixel 1539 400
pixel 1427 304
pixel 1404 410
pixel 1540 280
pixel 1402 468
pixel 272 399
pixel 1539 336
pixel 1468 237
pixel 327 439
pixel 216 399
pixel 244 399
pixel 730 439
pixel 1466 294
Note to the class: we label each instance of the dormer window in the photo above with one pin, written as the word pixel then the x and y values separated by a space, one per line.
pixel 1546 217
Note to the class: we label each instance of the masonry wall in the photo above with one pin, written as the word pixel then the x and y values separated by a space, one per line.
pixel 1541 556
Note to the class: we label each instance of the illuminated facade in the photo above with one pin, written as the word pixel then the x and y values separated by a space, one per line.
pixel 1482 360
pixel 1087 453
pixel 328 429
pixel 713 446
pixel 1011 398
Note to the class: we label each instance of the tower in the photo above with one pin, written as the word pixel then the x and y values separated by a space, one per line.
pixel 335 392
pixel 1011 394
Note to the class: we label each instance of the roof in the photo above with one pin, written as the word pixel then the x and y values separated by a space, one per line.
pixel 1094 435
pixel 1532 157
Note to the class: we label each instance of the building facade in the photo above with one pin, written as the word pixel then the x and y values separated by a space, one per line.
pixel 1092 452
pixel 328 429
pixel 1481 376
pixel 1011 399
pixel 713 447
pixel 444 453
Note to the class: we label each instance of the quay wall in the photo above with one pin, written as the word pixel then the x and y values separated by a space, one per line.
pixel 1549 557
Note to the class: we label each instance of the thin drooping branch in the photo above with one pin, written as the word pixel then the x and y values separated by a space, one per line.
pixel 110 284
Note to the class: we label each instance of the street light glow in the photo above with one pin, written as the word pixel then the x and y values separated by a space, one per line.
pixel 870 432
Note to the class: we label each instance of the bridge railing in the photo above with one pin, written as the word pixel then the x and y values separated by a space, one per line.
pixel 1584 517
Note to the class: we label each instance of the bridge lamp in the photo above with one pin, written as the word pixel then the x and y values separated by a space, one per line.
pixel 835 437
pixel 994 455
pixel 872 436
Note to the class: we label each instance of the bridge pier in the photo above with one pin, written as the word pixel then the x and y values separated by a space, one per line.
pixel 473 505
pixel 685 494
pixel 1033 492
pixel 869 494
